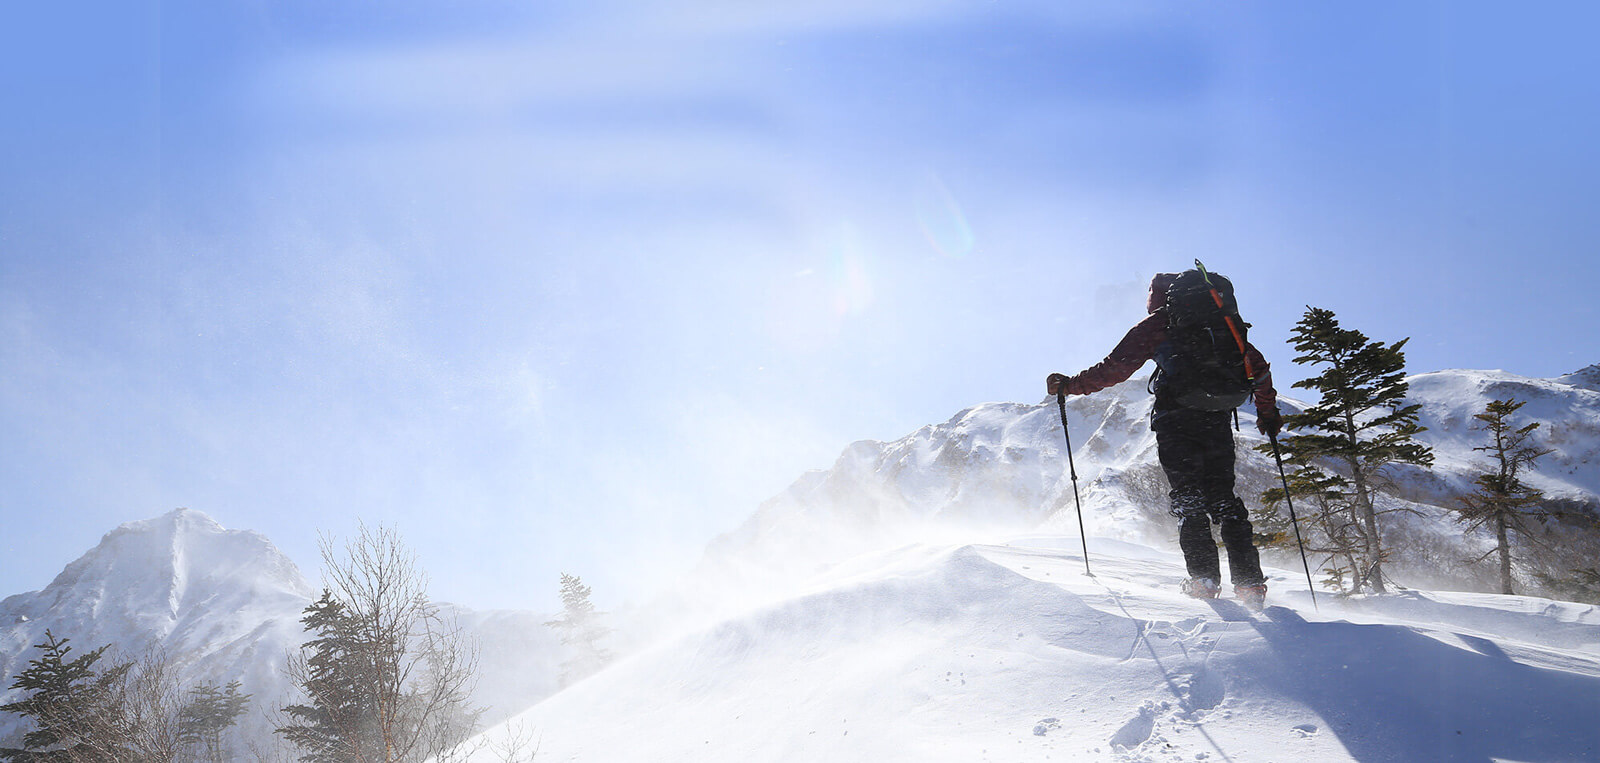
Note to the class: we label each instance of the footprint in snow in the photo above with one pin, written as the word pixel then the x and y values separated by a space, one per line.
pixel 1137 729
pixel 1304 730
pixel 1201 690
pixel 1046 726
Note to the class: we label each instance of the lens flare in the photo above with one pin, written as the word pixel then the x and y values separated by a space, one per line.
pixel 852 286
pixel 809 310
pixel 941 219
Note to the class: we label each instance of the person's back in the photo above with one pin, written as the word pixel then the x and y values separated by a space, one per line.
pixel 1206 367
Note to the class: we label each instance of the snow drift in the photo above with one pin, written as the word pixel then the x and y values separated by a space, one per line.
pixel 1010 652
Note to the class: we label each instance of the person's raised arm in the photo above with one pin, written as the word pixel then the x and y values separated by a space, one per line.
pixel 1138 346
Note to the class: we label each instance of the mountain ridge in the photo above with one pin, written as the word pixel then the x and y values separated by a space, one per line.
pixel 1008 460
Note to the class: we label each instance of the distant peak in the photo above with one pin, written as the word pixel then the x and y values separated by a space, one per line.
pixel 1588 378
pixel 180 519
pixel 175 547
pixel 190 517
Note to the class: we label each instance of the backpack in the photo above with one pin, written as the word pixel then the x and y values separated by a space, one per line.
pixel 1202 365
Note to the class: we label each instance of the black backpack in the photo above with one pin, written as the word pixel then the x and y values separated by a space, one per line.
pixel 1202 365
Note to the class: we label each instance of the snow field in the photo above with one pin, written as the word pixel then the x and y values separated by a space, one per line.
pixel 1010 652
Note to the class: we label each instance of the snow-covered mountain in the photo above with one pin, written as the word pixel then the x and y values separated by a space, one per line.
pixel 1568 408
pixel 1002 467
pixel 1007 651
pixel 225 605
pixel 925 599
pixel 222 604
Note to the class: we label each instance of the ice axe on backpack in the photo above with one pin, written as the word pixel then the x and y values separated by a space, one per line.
pixel 1233 328
pixel 1061 402
pixel 1273 438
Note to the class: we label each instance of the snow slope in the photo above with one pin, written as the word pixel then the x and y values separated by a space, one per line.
pixel 993 468
pixel 1010 652
pixel 1568 408
pixel 924 599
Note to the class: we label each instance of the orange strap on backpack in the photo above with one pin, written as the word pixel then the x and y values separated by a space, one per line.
pixel 1249 372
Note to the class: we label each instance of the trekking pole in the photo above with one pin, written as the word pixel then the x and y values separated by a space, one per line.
pixel 1061 402
pixel 1293 521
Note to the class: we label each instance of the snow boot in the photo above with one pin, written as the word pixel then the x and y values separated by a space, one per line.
pixel 1200 588
pixel 1252 596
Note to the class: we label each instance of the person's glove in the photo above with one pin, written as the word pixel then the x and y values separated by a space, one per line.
pixel 1270 422
pixel 1059 383
pixel 1056 383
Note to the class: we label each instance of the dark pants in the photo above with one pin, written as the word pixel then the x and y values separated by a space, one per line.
pixel 1196 450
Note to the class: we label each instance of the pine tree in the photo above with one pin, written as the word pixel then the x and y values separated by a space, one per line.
pixel 388 675
pixel 1331 534
pixel 1503 503
pixel 337 722
pixel 1345 444
pixel 76 710
pixel 581 628
pixel 210 711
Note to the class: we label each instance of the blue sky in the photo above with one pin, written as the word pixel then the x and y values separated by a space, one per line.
pixel 574 286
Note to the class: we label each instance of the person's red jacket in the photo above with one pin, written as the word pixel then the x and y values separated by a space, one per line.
pixel 1140 345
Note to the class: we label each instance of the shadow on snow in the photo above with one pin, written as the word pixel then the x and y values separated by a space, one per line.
pixel 1393 694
